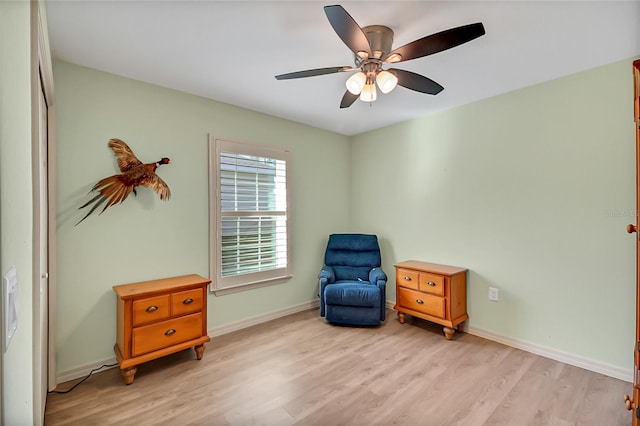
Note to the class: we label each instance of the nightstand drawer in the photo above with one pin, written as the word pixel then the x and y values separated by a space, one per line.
pixel 421 302
pixel 167 333
pixel 150 309
pixel 432 283
pixel 408 278
pixel 186 302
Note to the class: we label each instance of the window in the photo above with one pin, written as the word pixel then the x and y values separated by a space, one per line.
pixel 249 215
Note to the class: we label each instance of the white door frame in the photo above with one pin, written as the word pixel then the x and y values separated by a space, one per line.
pixel 43 309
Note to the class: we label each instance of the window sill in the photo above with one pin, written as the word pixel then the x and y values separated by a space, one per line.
pixel 249 286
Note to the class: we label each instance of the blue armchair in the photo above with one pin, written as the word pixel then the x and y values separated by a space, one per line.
pixel 352 284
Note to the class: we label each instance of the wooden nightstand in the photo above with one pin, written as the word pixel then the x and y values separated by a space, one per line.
pixel 436 293
pixel 160 317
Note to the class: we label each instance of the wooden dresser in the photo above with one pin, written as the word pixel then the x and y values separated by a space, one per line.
pixel 160 317
pixel 436 293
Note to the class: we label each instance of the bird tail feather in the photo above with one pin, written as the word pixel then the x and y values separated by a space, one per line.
pixel 98 200
pixel 109 189
pixel 113 190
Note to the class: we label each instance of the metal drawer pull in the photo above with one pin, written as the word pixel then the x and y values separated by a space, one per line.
pixel 419 301
pixel 187 301
pixel 406 278
pixel 152 308
pixel 431 284
pixel 170 332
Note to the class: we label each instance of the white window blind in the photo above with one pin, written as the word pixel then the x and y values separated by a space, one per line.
pixel 251 215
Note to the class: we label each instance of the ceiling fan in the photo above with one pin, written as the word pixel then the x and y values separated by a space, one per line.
pixel 371 46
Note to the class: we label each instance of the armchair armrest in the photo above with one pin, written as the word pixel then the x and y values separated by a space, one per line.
pixel 379 278
pixel 376 275
pixel 327 275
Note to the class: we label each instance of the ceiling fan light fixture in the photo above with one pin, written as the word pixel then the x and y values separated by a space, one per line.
pixel 368 93
pixel 356 82
pixel 386 81
pixel 394 57
pixel 362 55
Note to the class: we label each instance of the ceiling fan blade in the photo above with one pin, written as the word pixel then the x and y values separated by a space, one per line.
pixel 416 82
pixel 347 29
pixel 348 99
pixel 311 73
pixel 435 43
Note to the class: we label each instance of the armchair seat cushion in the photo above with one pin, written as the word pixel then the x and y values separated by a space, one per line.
pixel 352 293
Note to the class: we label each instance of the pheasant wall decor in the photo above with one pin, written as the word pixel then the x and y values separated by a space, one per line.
pixel 115 189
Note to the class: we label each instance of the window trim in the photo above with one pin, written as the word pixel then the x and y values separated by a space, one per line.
pixel 255 280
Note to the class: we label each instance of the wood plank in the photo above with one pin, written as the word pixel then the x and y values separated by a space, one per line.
pixel 164 285
pixel 301 370
pixel 431 267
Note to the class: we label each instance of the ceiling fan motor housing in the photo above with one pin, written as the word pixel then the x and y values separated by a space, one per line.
pixel 380 39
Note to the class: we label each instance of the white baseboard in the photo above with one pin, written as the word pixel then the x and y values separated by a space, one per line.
pixel 259 319
pixel 568 358
pixel 82 371
pixel 557 355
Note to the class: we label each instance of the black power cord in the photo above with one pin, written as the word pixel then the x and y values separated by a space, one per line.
pixel 87 376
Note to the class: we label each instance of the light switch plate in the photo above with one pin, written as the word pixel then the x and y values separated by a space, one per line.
pixel 10 298
pixel 493 294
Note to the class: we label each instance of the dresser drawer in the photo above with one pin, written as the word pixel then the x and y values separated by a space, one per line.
pixel 408 278
pixel 150 309
pixel 432 283
pixel 421 302
pixel 166 333
pixel 186 302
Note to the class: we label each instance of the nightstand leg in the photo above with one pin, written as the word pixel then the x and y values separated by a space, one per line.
pixel 401 317
pixel 448 332
pixel 199 351
pixel 128 375
pixel 460 327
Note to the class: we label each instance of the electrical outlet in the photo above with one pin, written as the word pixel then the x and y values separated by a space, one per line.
pixel 493 294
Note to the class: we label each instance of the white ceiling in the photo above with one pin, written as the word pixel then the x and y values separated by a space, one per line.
pixel 230 51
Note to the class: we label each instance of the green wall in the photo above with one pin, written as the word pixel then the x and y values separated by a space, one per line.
pixel 16 204
pixel 531 191
pixel 145 238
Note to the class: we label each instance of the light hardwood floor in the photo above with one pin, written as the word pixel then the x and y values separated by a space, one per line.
pixel 301 370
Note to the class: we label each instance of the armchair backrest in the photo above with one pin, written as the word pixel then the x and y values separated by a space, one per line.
pixel 352 256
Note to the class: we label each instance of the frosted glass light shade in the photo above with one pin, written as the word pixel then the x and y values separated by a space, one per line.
pixel 368 93
pixel 394 57
pixel 386 81
pixel 356 82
